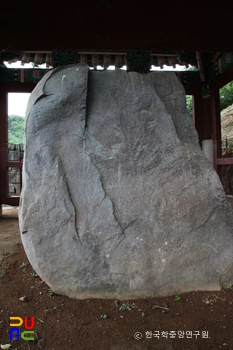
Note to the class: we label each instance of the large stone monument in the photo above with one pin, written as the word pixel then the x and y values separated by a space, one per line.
pixel 118 199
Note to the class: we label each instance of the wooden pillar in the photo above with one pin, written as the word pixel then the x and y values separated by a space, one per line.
pixel 216 124
pixel 4 186
pixel 207 120
pixel 198 114
pixel 202 117
pixel 4 181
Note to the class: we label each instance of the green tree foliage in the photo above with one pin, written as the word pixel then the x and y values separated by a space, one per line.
pixel 189 104
pixel 15 129
pixel 226 95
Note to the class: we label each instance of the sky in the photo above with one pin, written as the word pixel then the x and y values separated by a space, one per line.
pixel 17 103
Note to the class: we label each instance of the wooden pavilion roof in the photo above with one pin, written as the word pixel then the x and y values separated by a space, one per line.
pixel 117 25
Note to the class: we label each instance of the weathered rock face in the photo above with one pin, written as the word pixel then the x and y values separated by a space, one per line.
pixel 118 198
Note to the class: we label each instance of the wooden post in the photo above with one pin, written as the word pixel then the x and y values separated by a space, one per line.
pixel 198 114
pixel 4 186
pixel 216 124
pixel 4 181
pixel 202 116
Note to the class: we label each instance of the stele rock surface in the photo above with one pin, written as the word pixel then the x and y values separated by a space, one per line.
pixel 118 199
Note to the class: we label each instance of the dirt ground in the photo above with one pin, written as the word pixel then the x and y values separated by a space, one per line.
pixel 192 321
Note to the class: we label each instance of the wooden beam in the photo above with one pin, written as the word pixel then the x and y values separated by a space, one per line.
pixel 224 161
pixel 14 201
pixel 223 79
pixel 14 164
pixel 17 87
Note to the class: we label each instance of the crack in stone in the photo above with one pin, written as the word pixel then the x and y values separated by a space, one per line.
pixel 84 108
pixel 114 210
pixel 86 105
pixel 81 137
pixel 129 224
pixel 42 97
pixel 122 233
pixel 118 244
pixel 75 216
pixel 203 224
pixel 123 229
pixel 101 200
